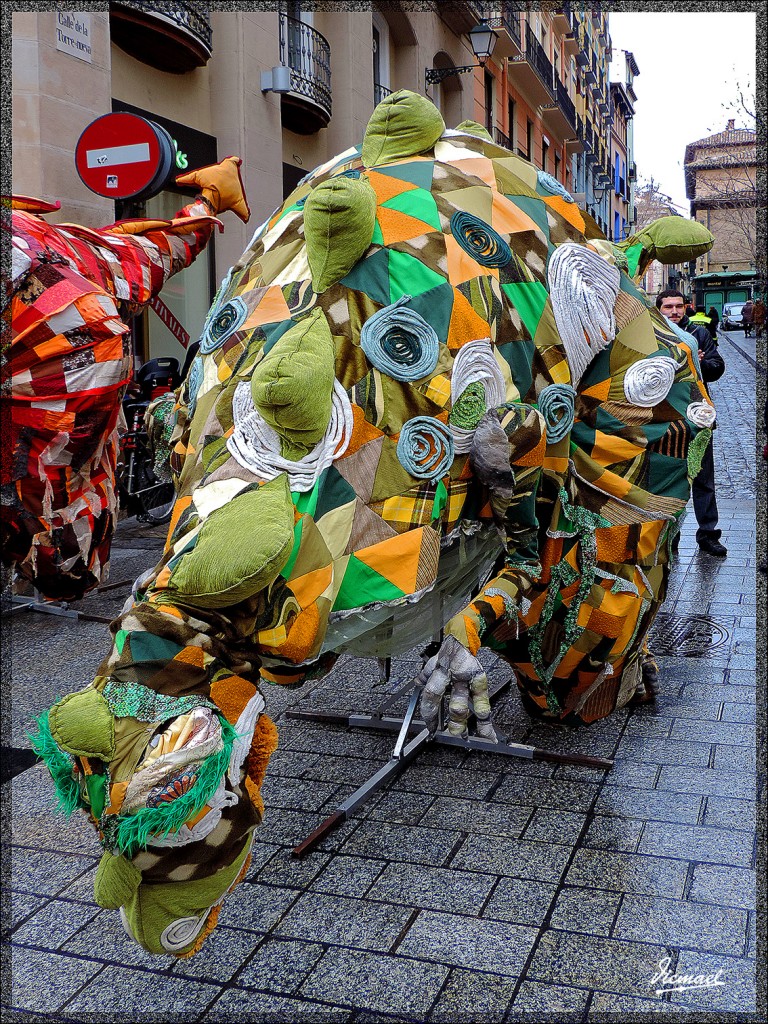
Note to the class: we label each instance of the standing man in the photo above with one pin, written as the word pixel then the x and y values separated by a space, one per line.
pixel 747 317
pixel 672 305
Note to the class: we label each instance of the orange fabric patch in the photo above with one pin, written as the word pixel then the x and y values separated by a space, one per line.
pixel 609 449
pixel 612 543
pixel 179 506
pixel 568 211
pixel 397 226
pixel 310 586
pixel 461 266
pixel 599 390
pixel 649 536
pixel 301 636
pixel 509 219
pixel 535 457
pixel 231 695
pixel 191 656
pixel 556 464
pixel 387 187
pixel 272 309
pixel 466 325
pixel 603 624
pixel 263 746
pixel 472 635
pixel 362 432
pixel 396 559
pixel 116 797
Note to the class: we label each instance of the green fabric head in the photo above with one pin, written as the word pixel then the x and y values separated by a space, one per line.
pixel 117 881
pixel 339 218
pixel 292 386
pixel 668 240
pixel 403 125
pixel 474 128
pixel 82 724
pixel 167 918
pixel 241 548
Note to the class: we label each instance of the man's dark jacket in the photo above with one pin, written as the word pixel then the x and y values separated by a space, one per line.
pixel 712 365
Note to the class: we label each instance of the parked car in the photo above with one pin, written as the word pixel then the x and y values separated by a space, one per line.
pixel 731 317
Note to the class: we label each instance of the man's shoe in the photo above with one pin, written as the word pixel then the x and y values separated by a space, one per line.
pixel 713 547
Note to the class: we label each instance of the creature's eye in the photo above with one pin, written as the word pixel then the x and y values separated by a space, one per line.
pixel 225 322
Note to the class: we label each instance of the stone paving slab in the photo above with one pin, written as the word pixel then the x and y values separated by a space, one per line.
pixel 475 887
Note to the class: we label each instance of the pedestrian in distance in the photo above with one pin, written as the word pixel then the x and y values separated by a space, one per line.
pixel 748 317
pixel 714 316
pixel 705 320
pixel 671 304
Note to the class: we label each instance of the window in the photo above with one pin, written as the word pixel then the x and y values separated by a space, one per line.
pixel 544 153
pixel 489 101
pixel 529 140
pixel 380 45
pixel 617 227
pixel 512 129
pixel 557 166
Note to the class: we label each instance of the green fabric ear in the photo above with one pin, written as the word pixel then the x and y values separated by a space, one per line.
pixel 474 128
pixel 117 881
pixel 339 218
pixel 292 387
pixel 241 548
pixel 165 918
pixel 404 124
pixel 668 240
pixel 82 724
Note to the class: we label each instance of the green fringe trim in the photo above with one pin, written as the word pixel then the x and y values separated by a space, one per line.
pixel 133 832
pixel 59 764
pixel 696 450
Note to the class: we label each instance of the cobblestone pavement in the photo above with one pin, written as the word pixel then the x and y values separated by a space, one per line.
pixel 474 888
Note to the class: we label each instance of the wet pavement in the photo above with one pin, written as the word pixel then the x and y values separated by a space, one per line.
pixel 474 887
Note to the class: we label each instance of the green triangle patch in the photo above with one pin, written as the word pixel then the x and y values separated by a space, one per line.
pixel 536 210
pixel 529 299
pixel 362 585
pixel 409 276
pixel 371 276
pixel 416 203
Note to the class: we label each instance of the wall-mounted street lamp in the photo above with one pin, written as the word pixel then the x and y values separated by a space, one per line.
pixel 277 80
pixel 483 39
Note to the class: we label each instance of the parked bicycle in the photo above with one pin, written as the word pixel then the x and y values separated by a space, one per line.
pixel 142 491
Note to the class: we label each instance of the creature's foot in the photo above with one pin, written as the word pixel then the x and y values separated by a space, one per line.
pixel 469 691
pixel 648 687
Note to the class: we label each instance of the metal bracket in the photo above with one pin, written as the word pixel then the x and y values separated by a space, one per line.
pixel 433 76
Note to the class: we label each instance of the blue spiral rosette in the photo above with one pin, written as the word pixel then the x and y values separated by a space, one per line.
pixel 194 380
pixel 556 405
pixel 400 343
pixel 222 323
pixel 479 240
pixel 425 448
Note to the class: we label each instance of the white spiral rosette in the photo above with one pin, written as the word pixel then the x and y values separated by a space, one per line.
pixel 256 446
pixel 583 289
pixel 648 381
pixel 475 363
pixel 701 414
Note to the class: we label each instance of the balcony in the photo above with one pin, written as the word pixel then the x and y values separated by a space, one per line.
pixel 532 73
pixel 560 116
pixel 380 92
pixel 175 38
pixel 461 15
pixel 307 107
pixel 506 21
pixel 501 139
pixel 561 19
pixel 632 176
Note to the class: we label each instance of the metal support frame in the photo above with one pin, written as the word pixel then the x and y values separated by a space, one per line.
pixel 433 76
pixel 37 603
pixel 404 752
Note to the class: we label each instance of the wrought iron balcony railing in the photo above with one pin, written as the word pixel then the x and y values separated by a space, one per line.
pixel 537 58
pixel 565 103
pixel 501 139
pixel 308 55
pixel 169 37
pixel 380 92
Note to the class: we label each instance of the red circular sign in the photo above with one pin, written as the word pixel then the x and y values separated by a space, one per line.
pixel 121 156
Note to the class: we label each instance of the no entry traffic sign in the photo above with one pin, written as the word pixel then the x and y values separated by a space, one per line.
pixel 124 156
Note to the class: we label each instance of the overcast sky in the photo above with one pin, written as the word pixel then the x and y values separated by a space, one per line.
pixel 691 66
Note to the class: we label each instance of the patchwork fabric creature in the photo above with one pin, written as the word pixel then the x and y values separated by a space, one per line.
pixel 65 366
pixel 429 395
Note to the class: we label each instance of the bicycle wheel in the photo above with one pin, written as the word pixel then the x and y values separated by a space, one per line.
pixel 155 496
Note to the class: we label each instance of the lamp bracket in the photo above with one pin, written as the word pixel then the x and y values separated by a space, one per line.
pixel 433 76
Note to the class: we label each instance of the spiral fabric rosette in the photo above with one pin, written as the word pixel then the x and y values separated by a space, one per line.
pixel 647 382
pixel 553 185
pixel 479 240
pixel 475 363
pixel 256 446
pixel 702 414
pixel 194 382
pixel 400 343
pixel 425 448
pixel 222 323
pixel 583 289
pixel 557 403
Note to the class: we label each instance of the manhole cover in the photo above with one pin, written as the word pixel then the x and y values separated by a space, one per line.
pixel 688 636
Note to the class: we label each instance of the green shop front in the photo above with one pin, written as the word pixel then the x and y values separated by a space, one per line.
pixel 716 289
